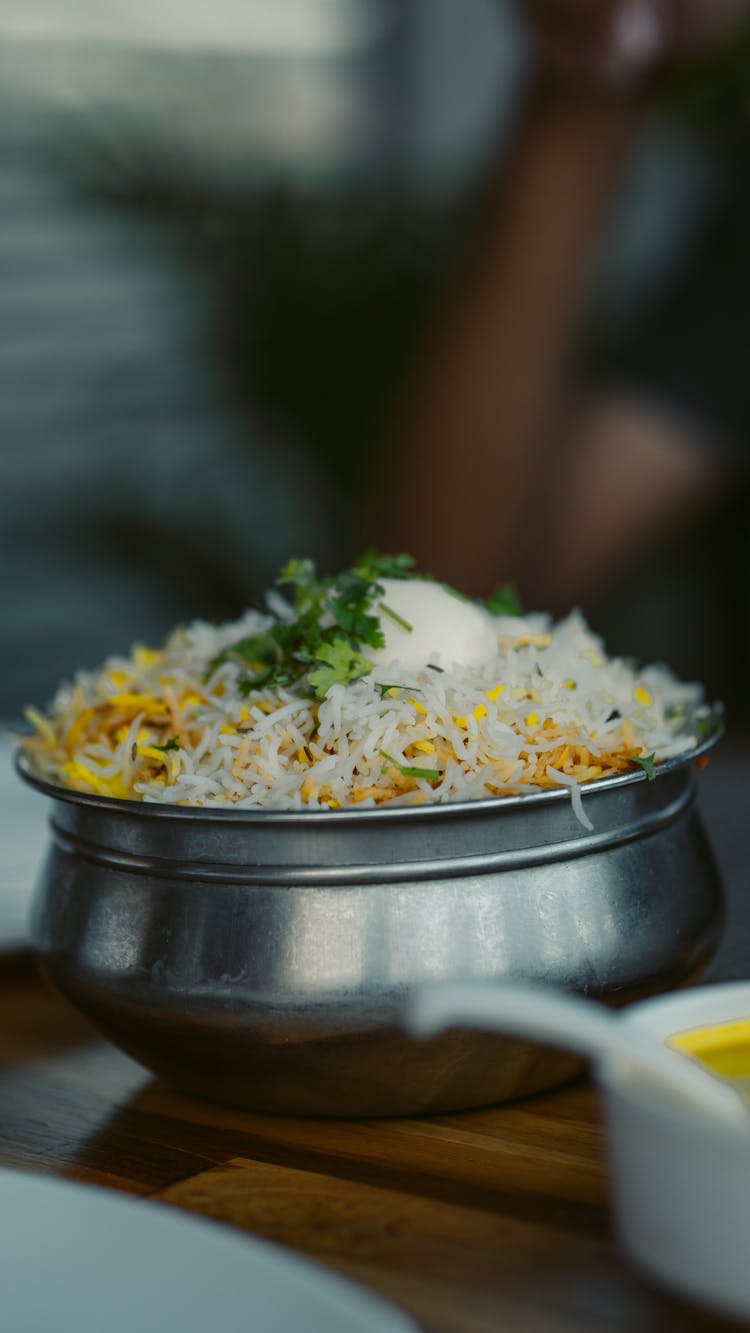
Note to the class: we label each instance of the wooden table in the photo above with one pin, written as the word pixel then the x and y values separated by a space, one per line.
pixel 476 1222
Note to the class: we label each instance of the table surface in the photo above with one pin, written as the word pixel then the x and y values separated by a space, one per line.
pixel 485 1220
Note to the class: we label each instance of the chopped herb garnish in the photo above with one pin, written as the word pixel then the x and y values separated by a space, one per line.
pixel 374 566
pixel 171 744
pixel 646 762
pixel 505 601
pixel 257 650
pixel 674 711
pixel 325 641
pixel 392 615
pixel 397 685
pixel 298 573
pixel 355 622
pixel 338 663
pixel 247 684
pixel 407 771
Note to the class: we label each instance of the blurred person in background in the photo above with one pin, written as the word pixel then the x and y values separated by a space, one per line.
pixel 218 266
pixel 520 453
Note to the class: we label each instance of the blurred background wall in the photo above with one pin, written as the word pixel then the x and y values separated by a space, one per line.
pixel 222 233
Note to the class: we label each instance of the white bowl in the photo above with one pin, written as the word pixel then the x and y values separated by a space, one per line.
pixel 681 1180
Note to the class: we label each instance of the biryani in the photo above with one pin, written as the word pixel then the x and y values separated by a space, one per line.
pixel 369 688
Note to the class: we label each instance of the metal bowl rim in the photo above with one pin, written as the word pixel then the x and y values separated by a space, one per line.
pixel 380 814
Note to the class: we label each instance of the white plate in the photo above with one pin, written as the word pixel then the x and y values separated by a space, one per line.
pixel 80 1259
pixel 23 838
pixel 681 1180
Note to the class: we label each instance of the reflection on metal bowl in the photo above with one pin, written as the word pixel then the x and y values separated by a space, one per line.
pixel 264 958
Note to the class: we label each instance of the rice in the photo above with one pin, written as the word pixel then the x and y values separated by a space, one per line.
pixel 550 709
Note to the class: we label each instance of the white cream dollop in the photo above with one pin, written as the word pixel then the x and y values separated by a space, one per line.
pixel 445 629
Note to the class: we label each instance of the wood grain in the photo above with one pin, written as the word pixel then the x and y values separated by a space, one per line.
pixel 485 1220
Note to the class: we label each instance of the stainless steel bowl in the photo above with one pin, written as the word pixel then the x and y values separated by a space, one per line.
pixel 264 958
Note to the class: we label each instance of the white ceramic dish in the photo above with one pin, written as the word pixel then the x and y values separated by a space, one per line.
pixel 681 1181
pixel 79 1259
pixel 585 1026
pixel 680 1171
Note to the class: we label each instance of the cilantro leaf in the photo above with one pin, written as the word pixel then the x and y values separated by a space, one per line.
pixel 354 586
pixel 172 744
pixel 256 648
pixel 646 762
pixel 337 663
pixel 262 648
pixel 396 685
pixel 356 622
pixel 297 573
pixel 408 771
pixel 350 604
pixel 319 645
pixel 309 590
pixel 505 601
pixel 395 617
pixel 374 566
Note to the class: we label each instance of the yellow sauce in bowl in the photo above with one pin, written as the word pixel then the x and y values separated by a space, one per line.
pixel 722 1048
